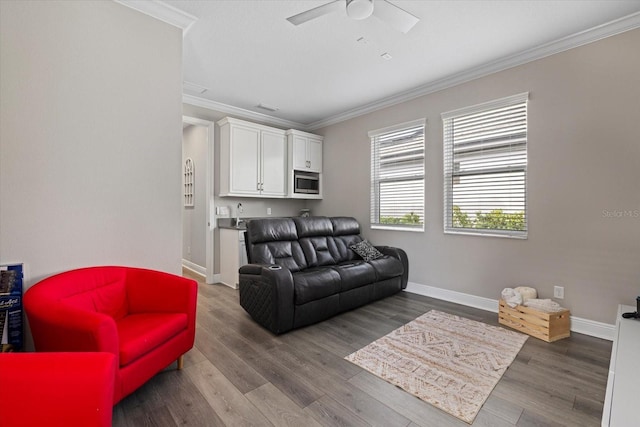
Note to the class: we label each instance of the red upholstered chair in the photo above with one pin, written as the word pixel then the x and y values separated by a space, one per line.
pixel 56 389
pixel 145 318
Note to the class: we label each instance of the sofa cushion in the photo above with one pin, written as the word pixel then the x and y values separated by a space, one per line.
pixel 387 267
pixel 109 298
pixel 343 226
pixel 366 250
pixel 313 226
pixel 354 274
pixel 318 251
pixel 140 333
pixel 272 229
pixel 286 254
pixel 342 249
pixel 315 283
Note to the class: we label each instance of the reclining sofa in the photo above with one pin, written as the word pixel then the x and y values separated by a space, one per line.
pixel 303 270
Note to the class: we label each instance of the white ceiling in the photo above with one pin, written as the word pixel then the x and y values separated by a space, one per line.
pixel 246 52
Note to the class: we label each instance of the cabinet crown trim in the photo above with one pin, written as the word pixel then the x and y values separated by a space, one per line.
pixel 231 120
pixel 296 132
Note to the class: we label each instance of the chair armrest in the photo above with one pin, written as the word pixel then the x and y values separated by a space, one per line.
pixel 266 293
pixel 400 255
pixel 156 291
pixel 61 389
pixel 67 328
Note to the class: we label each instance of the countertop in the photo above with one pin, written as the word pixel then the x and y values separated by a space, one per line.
pixel 230 223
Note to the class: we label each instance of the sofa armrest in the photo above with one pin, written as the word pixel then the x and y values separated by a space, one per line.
pixel 157 291
pixel 266 293
pixel 57 389
pixel 71 329
pixel 400 255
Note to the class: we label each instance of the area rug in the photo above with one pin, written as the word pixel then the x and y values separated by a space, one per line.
pixel 448 361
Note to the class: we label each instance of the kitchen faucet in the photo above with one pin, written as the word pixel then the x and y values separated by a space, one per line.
pixel 238 212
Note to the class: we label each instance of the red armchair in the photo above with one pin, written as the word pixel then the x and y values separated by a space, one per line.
pixel 145 318
pixel 56 389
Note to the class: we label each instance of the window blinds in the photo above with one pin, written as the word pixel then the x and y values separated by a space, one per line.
pixel 485 168
pixel 397 176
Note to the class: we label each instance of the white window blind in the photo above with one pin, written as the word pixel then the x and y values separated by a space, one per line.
pixel 485 168
pixel 397 176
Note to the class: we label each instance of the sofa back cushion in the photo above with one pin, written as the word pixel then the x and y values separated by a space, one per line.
pixel 318 251
pixel 299 243
pixel 346 232
pixel 287 254
pixel 274 241
pixel 316 240
pixel 99 289
pixel 265 230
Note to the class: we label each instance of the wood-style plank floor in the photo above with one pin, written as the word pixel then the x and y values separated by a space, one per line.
pixel 239 374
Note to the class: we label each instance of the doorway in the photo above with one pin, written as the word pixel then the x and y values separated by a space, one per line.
pixel 198 219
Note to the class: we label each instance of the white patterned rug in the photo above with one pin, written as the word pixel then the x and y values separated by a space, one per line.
pixel 449 361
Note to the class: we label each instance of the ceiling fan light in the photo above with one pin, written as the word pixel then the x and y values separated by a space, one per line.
pixel 359 9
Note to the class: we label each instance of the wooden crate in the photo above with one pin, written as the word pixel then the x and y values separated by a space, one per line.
pixel 548 327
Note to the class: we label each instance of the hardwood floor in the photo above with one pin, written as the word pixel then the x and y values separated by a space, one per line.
pixel 239 374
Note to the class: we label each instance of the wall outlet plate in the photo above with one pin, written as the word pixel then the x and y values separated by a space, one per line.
pixel 558 292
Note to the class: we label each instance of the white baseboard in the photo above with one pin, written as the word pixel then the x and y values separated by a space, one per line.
pixel 578 324
pixel 217 278
pixel 198 269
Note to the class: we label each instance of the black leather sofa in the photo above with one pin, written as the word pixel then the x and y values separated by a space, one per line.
pixel 302 271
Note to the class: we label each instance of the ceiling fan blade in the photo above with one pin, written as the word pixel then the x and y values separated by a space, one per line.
pixel 316 12
pixel 398 18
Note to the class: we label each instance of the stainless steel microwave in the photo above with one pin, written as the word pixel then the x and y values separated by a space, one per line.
pixel 306 182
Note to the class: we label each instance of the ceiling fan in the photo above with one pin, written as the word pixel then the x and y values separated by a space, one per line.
pixel 398 18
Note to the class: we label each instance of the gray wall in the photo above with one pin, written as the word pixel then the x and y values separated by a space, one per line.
pixel 194 221
pixel 584 166
pixel 90 142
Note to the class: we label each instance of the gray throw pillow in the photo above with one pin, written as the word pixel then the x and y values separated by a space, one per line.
pixel 366 250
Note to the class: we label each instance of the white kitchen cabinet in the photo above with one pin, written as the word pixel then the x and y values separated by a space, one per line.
pixel 305 151
pixel 253 160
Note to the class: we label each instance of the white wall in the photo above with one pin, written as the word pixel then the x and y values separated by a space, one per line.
pixel 90 141
pixel 584 165
pixel 194 222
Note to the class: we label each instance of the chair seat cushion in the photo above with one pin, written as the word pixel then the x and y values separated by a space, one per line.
pixel 141 333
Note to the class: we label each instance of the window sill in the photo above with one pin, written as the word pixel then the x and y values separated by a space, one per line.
pixel 398 228
pixel 488 234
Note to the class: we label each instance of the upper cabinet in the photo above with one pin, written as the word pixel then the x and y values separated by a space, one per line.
pixel 305 151
pixel 253 160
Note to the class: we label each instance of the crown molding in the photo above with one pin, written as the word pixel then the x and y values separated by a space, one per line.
pixel 241 113
pixel 627 23
pixel 162 11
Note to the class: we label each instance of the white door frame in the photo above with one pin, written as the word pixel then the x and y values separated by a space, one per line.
pixel 210 206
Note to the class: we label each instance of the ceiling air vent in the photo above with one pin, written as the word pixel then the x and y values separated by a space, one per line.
pixel 267 107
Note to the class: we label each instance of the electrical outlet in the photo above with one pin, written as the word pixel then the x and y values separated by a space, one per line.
pixel 558 292
pixel 189 250
pixel 268 211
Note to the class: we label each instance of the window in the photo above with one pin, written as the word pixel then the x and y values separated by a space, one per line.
pixel 485 168
pixel 397 177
